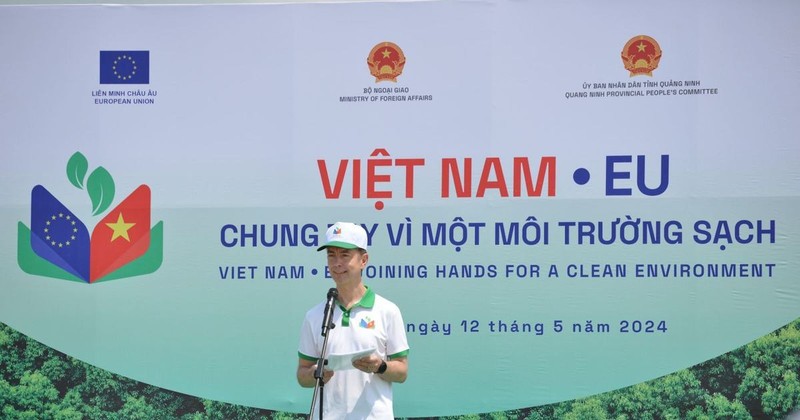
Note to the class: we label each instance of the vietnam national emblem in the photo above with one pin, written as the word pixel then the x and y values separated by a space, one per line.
pixel 641 55
pixel 386 62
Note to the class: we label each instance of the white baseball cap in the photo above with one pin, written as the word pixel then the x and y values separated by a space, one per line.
pixel 345 235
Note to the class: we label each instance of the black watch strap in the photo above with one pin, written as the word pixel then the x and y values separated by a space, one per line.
pixel 382 367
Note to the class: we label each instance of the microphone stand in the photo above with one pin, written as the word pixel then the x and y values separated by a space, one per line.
pixel 327 324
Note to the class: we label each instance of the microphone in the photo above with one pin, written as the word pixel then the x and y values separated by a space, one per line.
pixel 333 293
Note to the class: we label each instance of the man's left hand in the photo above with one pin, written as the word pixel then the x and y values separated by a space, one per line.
pixel 368 364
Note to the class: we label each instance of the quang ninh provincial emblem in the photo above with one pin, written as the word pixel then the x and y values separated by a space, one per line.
pixel 386 62
pixel 641 55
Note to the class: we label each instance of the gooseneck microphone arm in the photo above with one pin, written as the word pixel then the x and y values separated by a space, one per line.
pixel 327 325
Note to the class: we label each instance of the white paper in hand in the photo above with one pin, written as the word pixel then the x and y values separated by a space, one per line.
pixel 345 361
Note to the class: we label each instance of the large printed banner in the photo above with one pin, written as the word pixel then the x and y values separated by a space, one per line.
pixel 563 198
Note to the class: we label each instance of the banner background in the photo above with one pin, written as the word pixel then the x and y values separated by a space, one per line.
pixel 249 101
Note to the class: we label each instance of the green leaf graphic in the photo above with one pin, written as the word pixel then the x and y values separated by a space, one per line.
pixel 100 186
pixel 76 169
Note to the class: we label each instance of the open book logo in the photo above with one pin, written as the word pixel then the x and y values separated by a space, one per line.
pixel 367 323
pixel 57 243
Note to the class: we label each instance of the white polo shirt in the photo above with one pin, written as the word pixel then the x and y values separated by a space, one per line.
pixel 374 322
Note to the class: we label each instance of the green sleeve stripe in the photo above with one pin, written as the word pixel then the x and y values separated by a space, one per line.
pixel 403 353
pixel 309 358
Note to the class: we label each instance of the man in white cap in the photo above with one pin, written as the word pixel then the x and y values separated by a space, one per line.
pixel 363 320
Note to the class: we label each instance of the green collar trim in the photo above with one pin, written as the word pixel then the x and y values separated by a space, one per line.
pixel 367 301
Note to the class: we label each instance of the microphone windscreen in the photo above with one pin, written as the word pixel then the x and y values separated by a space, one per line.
pixel 333 293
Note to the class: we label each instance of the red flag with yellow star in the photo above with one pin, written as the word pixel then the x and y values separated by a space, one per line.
pixel 122 236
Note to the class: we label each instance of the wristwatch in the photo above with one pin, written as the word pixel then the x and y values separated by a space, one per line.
pixel 382 367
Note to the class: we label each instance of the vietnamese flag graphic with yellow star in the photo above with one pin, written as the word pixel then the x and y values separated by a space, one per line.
pixel 122 236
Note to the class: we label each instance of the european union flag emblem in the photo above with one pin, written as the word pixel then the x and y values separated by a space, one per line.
pixel 57 235
pixel 125 67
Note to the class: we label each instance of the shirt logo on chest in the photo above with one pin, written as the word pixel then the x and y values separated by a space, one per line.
pixel 367 323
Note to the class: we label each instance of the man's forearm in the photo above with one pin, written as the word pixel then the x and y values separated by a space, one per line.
pixel 305 376
pixel 396 370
